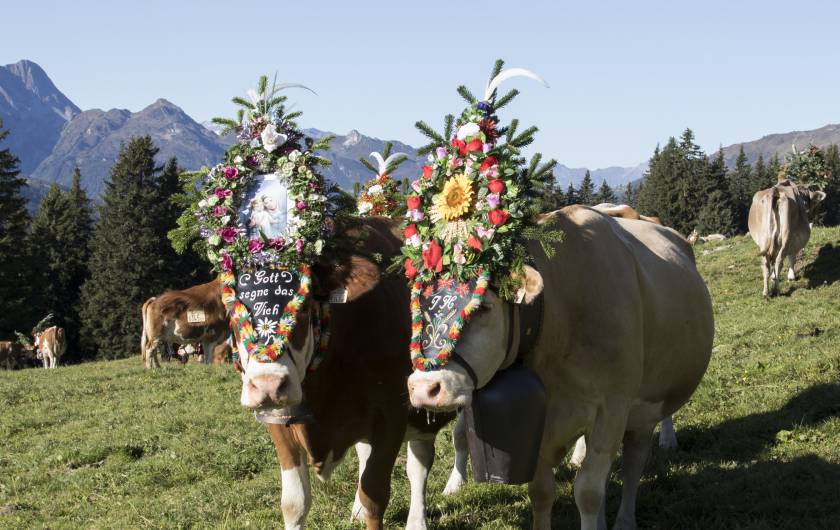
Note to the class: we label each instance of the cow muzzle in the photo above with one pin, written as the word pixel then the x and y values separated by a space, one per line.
pixel 272 387
pixel 441 390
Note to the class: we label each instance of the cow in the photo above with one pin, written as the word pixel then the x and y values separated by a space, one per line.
pixel 779 225
pixel 194 315
pixel 624 211
pixel 356 395
pixel 50 344
pixel 13 354
pixel 636 280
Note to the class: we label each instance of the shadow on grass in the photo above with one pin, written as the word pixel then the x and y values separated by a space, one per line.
pixel 825 269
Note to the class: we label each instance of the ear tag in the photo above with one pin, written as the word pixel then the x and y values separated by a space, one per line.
pixel 196 316
pixel 338 296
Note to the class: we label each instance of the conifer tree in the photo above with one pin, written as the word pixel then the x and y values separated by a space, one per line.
pixel 16 258
pixel 739 189
pixel 831 203
pixel 630 195
pixel 605 194
pixel 774 169
pixel 717 214
pixel 571 195
pixel 586 193
pixel 125 262
pixel 761 178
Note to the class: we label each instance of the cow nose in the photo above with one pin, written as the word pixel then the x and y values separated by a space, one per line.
pixel 424 393
pixel 268 389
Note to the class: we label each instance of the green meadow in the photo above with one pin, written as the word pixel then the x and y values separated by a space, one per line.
pixel 111 445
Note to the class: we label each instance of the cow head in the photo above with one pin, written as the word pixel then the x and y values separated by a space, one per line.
pixel 813 197
pixel 278 384
pixel 482 346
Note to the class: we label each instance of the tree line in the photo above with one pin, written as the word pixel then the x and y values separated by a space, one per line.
pixel 92 266
pixel 688 189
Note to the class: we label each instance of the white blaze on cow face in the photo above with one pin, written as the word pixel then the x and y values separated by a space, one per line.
pixel 483 345
pixel 276 384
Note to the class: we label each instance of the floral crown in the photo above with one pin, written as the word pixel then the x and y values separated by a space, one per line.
pixel 381 194
pixel 467 215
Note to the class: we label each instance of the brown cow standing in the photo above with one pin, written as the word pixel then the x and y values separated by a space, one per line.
pixel 779 225
pixel 358 393
pixel 51 344
pixel 194 315
pixel 13 354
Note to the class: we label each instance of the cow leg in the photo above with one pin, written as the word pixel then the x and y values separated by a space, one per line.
pixel 635 452
pixel 580 452
pixel 667 435
pixel 777 269
pixel 295 496
pixel 792 269
pixel 363 453
pixel 375 485
pixel 541 493
pixel 421 456
pixel 459 471
pixel 45 360
pixel 765 274
pixel 591 481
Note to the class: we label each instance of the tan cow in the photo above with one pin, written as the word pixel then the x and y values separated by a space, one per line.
pixel 779 225
pixel 51 344
pixel 624 211
pixel 194 315
pixel 639 282
pixel 14 355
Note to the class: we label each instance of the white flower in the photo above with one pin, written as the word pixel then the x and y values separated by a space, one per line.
pixel 414 241
pixel 458 254
pixel 365 207
pixel 294 155
pixel 376 189
pixel 319 246
pixel 265 327
pixel 238 159
pixel 202 203
pixel 468 129
pixel 287 169
pixel 271 139
pixel 415 185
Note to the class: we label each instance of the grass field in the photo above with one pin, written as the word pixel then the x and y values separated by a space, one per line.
pixel 110 445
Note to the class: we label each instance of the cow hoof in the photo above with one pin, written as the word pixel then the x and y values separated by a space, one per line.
pixel 416 525
pixel 668 443
pixel 358 512
pixel 624 524
pixel 454 484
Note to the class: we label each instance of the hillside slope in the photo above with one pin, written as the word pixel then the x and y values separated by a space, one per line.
pixel 109 445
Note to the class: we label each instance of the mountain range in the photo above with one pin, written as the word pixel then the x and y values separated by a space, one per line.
pixel 51 136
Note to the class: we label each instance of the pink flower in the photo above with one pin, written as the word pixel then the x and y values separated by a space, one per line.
pixel 485 148
pixel 219 211
pixel 441 152
pixel 228 233
pixel 255 245
pixel 277 244
pixel 299 246
pixel 416 215
pixel 492 200
pixel 222 193
pixel 300 205
pixel 227 262
pixel 231 173
pixel 484 233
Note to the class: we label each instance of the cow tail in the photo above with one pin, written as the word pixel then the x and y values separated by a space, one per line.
pixel 144 333
pixel 771 243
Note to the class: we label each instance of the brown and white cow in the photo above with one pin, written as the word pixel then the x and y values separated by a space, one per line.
pixel 194 315
pixel 14 355
pixel 779 224
pixel 637 280
pixel 357 394
pixel 50 344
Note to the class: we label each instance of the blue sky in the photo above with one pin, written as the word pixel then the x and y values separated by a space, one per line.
pixel 624 75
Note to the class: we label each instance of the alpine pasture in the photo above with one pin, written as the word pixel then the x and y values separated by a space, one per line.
pixel 111 445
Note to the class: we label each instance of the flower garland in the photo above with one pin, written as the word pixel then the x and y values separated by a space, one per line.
pixel 416 346
pixel 381 194
pixel 240 318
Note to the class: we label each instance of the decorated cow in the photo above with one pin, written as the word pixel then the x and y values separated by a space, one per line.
pixel 544 327
pixel 381 194
pixel 319 342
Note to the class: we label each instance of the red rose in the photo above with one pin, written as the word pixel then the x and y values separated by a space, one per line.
pixel 488 163
pixel 410 269
pixel 459 144
pixel 433 257
pixel 427 172
pixel 496 186
pixel 498 217
pixel 413 202
pixel 474 243
pixel 474 145
pixel 410 230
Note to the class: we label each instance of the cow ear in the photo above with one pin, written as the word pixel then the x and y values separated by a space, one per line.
pixel 532 285
pixel 356 275
pixel 817 196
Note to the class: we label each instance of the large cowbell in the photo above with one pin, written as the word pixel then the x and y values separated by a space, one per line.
pixel 267 213
pixel 505 426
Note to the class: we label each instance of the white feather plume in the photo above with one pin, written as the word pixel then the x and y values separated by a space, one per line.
pixel 504 75
pixel 384 163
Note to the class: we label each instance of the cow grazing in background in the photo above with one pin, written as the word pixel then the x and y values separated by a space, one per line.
pixel 357 394
pixel 194 315
pixel 779 224
pixel 14 355
pixel 51 344
pixel 639 281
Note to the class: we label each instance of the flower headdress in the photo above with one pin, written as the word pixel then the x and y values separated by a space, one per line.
pixel 467 215
pixel 381 194
pixel 269 145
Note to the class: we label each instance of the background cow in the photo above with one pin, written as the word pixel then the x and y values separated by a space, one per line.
pixel 779 225
pixel 194 315
pixel 14 355
pixel 51 344
pixel 639 282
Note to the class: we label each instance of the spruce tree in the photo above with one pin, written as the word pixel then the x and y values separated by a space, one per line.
pixel 717 214
pixel 774 170
pixel 739 189
pixel 16 258
pixel 761 178
pixel 630 195
pixel 586 193
pixel 571 195
pixel 605 194
pixel 125 260
pixel 831 204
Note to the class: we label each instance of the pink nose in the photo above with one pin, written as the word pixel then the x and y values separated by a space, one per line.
pixel 424 393
pixel 268 389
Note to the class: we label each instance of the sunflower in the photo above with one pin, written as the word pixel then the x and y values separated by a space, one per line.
pixel 454 200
